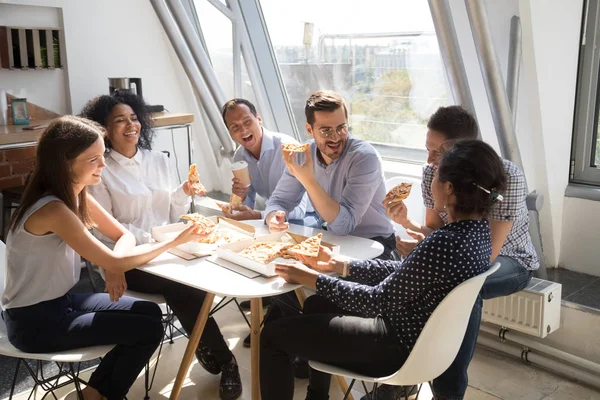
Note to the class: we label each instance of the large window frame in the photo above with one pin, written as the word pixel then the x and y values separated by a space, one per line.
pixel 583 168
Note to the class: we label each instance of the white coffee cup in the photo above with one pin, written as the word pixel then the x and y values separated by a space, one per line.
pixel 240 171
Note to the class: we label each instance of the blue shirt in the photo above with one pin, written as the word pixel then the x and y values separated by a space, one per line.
pixel 355 181
pixel 408 292
pixel 267 170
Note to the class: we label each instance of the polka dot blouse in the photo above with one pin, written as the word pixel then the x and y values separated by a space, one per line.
pixel 406 293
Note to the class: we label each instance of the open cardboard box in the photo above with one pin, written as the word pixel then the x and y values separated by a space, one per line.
pixel 230 251
pixel 190 250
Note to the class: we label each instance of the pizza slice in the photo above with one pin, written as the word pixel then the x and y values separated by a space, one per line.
pixel 398 193
pixel 264 252
pixel 194 179
pixel 235 200
pixel 310 247
pixel 295 148
pixel 226 208
pixel 206 225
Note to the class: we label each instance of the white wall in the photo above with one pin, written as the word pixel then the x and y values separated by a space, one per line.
pixel 113 38
pixel 548 76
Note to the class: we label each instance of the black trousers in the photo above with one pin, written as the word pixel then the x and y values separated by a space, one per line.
pixel 186 302
pixel 82 320
pixel 328 334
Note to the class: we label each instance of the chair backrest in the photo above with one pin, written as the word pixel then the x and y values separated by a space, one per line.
pixel 414 202
pixel 2 266
pixel 440 339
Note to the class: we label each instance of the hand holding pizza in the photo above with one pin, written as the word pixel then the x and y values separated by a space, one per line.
pixel 242 213
pixel 398 212
pixel 191 189
pixel 195 232
pixel 304 173
pixel 323 262
pixel 276 222
pixel 297 273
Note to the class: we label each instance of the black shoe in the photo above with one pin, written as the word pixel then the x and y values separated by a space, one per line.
pixel 388 392
pixel 245 305
pixel 207 359
pixel 231 384
pixel 247 340
pixel 300 368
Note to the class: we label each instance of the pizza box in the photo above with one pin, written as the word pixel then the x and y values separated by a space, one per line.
pixel 237 230
pixel 230 251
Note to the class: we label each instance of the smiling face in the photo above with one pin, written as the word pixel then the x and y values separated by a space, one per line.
pixel 86 168
pixel 335 124
pixel 245 128
pixel 433 142
pixel 123 129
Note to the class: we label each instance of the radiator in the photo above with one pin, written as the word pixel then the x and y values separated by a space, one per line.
pixel 534 311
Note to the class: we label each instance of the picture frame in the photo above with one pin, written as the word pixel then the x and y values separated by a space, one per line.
pixel 20 113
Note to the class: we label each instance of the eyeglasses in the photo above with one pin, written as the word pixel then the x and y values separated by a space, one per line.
pixel 327 132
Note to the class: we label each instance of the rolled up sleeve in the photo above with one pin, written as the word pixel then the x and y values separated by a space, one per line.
pixel 357 194
pixel 287 195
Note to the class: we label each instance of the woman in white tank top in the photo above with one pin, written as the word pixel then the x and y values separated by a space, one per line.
pixel 48 233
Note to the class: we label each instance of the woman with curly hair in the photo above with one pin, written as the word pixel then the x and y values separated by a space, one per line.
pixel 138 190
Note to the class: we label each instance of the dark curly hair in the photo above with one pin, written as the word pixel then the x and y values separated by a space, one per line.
pixel 454 122
pixel 100 107
pixel 467 165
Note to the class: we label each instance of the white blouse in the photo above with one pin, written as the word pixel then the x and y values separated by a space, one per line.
pixel 139 193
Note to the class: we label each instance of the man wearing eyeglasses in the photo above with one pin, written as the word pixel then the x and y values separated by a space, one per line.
pixel 341 174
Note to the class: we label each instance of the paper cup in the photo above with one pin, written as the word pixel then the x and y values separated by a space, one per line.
pixel 240 171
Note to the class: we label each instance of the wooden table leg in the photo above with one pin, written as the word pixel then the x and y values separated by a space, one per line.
pixel 301 296
pixel 340 379
pixel 193 341
pixel 256 317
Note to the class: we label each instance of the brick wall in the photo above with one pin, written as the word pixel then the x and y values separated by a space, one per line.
pixel 15 165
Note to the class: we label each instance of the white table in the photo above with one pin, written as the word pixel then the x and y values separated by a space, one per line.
pixel 216 280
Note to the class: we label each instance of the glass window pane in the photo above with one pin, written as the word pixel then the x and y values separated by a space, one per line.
pixel 218 36
pixel 392 78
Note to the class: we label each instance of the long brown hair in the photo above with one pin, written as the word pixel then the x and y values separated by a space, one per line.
pixel 62 141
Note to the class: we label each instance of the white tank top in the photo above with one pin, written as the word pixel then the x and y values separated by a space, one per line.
pixel 38 268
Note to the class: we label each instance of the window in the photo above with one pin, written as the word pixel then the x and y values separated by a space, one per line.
pixel 585 159
pixel 381 55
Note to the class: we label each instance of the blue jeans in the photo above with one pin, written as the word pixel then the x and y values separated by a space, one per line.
pixel 510 278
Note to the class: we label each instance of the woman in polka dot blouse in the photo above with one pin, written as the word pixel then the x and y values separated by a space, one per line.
pixel 369 319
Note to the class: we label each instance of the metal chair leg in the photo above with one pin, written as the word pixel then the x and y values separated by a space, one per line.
pixel 349 389
pixel 14 382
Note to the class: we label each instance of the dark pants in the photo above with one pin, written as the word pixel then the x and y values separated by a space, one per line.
pixel 389 247
pixel 328 334
pixel 186 302
pixel 509 279
pixel 82 320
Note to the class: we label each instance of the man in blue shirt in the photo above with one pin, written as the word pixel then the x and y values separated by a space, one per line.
pixel 341 174
pixel 261 149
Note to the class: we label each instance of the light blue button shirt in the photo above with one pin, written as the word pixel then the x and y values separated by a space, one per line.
pixel 355 181
pixel 267 170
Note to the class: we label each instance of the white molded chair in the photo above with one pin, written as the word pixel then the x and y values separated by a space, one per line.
pixel 437 345
pixel 64 360
pixel 414 203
